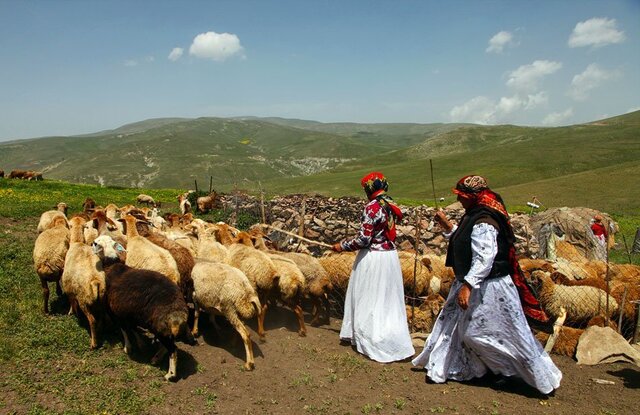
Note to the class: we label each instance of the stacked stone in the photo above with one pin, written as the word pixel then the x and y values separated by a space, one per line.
pixel 328 220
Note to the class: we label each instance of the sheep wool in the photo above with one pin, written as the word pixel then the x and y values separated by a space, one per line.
pixel 49 252
pixel 223 289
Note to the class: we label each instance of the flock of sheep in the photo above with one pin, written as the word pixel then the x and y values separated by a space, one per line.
pixel 149 272
pixel 22 174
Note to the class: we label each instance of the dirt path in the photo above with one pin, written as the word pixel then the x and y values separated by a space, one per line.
pixel 318 375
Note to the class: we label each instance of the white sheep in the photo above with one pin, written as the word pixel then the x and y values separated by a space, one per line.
pixel 317 283
pixel 145 199
pixel 207 246
pixel 144 254
pixel 47 217
pixel 256 265
pixel 49 253
pixel 183 202
pixel 290 287
pixel 225 290
pixel 581 302
pixel 83 280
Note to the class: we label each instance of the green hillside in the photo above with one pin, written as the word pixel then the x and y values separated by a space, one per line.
pixel 171 153
pixel 589 164
pixel 593 164
pixel 392 136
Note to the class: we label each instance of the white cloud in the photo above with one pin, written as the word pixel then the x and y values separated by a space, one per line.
pixel 556 118
pixel 634 109
pixel 176 53
pixel 150 59
pixel 478 110
pixel 216 46
pixel 130 62
pixel 591 78
pixel 536 100
pixel 499 41
pixel 596 32
pixel 527 77
pixel 482 110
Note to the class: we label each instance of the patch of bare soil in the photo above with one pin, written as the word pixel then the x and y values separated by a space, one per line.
pixel 319 375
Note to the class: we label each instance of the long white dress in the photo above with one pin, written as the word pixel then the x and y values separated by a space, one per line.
pixel 491 334
pixel 375 318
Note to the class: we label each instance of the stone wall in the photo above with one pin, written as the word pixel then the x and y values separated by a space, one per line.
pixel 330 220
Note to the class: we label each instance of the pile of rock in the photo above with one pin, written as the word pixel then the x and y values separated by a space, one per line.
pixel 328 220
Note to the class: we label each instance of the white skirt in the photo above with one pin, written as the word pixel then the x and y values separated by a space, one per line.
pixel 491 334
pixel 375 318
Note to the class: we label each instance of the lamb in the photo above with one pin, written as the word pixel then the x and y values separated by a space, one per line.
pixel 423 275
pixel 183 202
pixel 443 276
pixel 223 289
pixel 290 287
pixel 143 298
pixel 145 199
pixel 424 316
pixel 49 254
pixel 208 247
pixel 317 281
pixel 338 266
pixel 581 303
pixel 88 206
pixel 205 203
pixel 318 284
pixel 144 254
pixel 257 266
pixel 566 343
pixel 106 226
pixel 47 217
pixel 83 279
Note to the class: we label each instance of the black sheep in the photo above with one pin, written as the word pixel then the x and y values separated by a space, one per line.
pixel 143 298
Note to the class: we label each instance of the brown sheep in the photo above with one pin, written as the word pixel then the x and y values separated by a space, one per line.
pixel 206 203
pixel 17 174
pixel 146 299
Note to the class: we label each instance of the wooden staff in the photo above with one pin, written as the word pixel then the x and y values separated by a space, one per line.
pixel 302 238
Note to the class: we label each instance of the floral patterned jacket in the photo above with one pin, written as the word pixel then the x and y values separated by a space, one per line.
pixel 372 233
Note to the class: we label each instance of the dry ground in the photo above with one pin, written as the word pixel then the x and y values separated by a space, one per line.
pixel 319 375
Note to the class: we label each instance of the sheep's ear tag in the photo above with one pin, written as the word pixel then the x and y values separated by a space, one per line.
pixel 120 248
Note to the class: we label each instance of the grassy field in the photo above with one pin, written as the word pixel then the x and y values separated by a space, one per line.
pixel 46 361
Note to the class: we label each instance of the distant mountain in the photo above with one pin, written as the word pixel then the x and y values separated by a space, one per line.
pixel 591 160
pixel 172 152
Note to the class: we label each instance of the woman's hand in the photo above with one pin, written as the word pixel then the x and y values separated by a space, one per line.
pixel 442 220
pixel 337 247
pixel 463 296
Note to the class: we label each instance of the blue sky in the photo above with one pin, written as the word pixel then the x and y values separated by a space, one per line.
pixel 72 67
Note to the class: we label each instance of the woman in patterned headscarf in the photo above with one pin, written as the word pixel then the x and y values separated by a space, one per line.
pixel 483 324
pixel 375 319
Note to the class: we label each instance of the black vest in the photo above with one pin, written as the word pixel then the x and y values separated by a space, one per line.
pixel 459 251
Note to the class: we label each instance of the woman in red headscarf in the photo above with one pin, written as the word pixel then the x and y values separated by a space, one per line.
pixel 375 318
pixel 483 324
